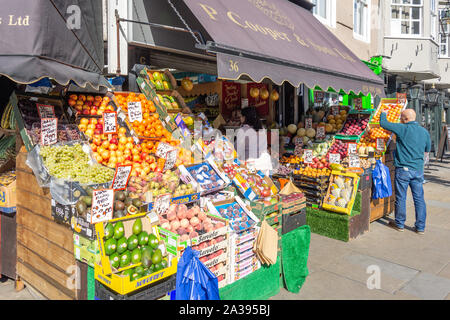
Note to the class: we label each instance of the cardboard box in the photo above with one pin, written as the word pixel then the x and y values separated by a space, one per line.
pixel 250 262
pixel 237 239
pixel 86 250
pixel 8 198
pixel 237 275
pixel 62 213
pixel 186 199
pixel 237 257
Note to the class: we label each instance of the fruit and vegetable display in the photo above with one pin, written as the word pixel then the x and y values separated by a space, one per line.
pixel 239 220
pixel 366 145
pixel 160 80
pixel 379 133
pixel 313 172
pixel 141 248
pixel 7 149
pixel 340 147
pixel 354 125
pixel 393 111
pixel 187 222
pixel 8 120
pixel 89 105
pixel 205 176
pixel 321 149
pixel 65 133
pixel 72 163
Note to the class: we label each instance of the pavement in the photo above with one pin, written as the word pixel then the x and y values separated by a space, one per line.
pixel 382 264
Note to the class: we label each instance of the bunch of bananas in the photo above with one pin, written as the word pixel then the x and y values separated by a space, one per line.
pixel 8 118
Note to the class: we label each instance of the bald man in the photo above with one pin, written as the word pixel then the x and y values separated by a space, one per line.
pixel 412 142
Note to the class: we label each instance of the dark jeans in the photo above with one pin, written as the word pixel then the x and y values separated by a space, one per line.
pixel 414 179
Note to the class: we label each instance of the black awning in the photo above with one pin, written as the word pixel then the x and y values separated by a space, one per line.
pixel 61 40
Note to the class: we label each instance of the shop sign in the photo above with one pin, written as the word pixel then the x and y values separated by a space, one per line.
pixel 381 144
pixel 353 161
pixel 307 156
pixel 134 111
pixel 102 205
pixel 352 148
pixel 109 122
pixel 45 111
pixel 335 158
pixel 358 103
pixel 49 131
pixel 121 177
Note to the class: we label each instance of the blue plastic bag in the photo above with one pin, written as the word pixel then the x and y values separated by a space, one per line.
pixel 194 280
pixel 382 187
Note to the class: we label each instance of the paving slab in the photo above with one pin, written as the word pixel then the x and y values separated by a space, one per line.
pixel 445 272
pixel 428 286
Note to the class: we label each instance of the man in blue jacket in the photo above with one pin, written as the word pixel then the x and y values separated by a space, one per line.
pixel 412 142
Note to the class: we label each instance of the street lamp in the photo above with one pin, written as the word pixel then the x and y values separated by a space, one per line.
pixel 414 91
pixel 432 95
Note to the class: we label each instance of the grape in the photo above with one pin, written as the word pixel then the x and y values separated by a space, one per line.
pixel 71 163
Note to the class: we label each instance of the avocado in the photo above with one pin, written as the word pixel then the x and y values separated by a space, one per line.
pixel 122 245
pixel 132 209
pixel 146 272
pixel 128 202
pixel 115 260
pixel 132 242
pixel 143 238
pixel 109 231
pixel 136 256
pixel 137 226
pixel 119 230
pixel 127 273
pixel 156 256
pixel 110 246
pixel 119 205
pixel 153 241
pixel 158 266
pixel 120 195
pixel 164 264
pixel 119 213
pixel 125 259
pixel 137 203
pixel 139 270
pixel 146 247
pixel 134 276
pixel 81 207
pixel 146 258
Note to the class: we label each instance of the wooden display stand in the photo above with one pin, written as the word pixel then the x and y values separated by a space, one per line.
pixel 45 251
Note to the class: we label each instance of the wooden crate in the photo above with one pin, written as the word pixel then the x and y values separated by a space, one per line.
pixel 45 254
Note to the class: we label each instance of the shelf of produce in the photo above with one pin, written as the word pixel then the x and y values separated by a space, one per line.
pixel 44 248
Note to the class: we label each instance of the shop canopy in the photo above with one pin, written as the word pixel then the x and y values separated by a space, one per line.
pixel 61 40
pixel 279 40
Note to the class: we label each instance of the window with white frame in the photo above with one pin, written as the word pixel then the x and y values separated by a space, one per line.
pixel 443 39
pixel 361 19
pixel 325 11
pixel 433 19
pixel 406 17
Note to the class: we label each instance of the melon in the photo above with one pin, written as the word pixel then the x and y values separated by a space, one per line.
pixel 292 128
pixel 310 133
pixel 301 132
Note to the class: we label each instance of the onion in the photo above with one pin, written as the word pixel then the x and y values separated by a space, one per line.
pixel 194 221
pixel 184 223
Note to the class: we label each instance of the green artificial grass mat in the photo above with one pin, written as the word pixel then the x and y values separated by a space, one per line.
pixel 258 285
pixel 294 253
pixel 332 224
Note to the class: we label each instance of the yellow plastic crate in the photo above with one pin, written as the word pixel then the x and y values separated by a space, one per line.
pixel 349 207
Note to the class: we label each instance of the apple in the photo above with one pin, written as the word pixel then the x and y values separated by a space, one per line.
pixel 86 112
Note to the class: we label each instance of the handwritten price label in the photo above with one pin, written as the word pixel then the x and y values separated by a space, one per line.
pixel 49 131
pixel 381 144
pixel 353 161
pixel 45 111
pixel 352 148
pixel 121 177
pixel 102 205
pixel 163 149
pixel 307 156
pixel 109 122
pixel 134 111
pixel 320 135
pixel 401 98
pixel 162 203
pixel 334 110
pixel 308 123
pixel 335 158
pixel 171 159
pixel 358 103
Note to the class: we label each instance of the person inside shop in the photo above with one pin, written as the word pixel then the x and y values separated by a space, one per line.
pixel 413 142
pixel 251 140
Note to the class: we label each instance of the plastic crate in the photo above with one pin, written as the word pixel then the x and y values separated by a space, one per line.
pixel 293 221
pixel 149 293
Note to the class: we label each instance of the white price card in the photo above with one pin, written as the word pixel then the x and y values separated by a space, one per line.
pixel 334 110
pixel 163 149
pixel 134 111
pixel 320 135
pixel 335 158
pixel 109 122
pixel 381 144
pixel 49 131
pixel 358 103
pixel 307 156
pixel 308 123
pixel 121 177
pixel 162 203
pixel 171 159
pixel 102 205
pixel 352 148
pixel 45 111
pixel 353 161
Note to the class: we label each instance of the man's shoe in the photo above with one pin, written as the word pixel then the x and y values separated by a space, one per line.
pixel 418 232
pixel 394 226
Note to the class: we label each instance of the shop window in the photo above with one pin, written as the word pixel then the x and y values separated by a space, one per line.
pixel 433 19
pixel 325 11
pixel 443 39
pixel 406 17
pixel 361 19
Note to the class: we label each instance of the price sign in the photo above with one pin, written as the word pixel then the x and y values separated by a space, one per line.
pixel 163 149
pixel 171 159
pixel 307 156
pixel 298 150
pixel 109 122
pixel 134 111
pixel 121 177
pixel 335 158
pixel 318 97
pixel 334 110
pixel 162 203
pixel 401 98
pixel 308 123
pixel 102 205
pixel 352 148
pixel 381 144
pixel 358 103
pixel 353 161
pixel 320 135
pixel 45 111
pixel 49 131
